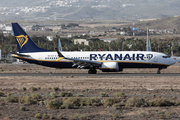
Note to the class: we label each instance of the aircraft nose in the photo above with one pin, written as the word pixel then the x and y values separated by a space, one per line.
pixel 172 61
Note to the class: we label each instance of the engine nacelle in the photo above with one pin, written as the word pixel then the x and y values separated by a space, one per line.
pixel 110 67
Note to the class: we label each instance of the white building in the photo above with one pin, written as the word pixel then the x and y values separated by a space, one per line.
pixel 8 28
pixel 28 28
pixel 108 39
pixel 50 38
pixel 122 33
pixel 86 42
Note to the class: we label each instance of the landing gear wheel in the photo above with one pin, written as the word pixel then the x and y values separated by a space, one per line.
pixel 158 72
pixel 92 71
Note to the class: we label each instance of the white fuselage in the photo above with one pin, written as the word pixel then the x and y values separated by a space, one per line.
pixel 126 59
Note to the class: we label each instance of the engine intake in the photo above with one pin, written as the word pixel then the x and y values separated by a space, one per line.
pixel 110 67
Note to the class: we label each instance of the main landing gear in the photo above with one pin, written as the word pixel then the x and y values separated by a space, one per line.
pixel 92 71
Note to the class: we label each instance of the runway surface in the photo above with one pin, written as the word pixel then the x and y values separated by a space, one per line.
pixel 85 74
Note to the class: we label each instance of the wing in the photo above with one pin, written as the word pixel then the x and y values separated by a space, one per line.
pixel 79 62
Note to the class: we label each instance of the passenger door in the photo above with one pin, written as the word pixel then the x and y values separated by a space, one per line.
pixel 155 58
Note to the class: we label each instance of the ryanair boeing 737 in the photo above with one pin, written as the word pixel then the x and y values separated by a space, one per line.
pixel 107 61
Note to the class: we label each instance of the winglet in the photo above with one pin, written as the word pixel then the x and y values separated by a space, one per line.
pixel 59 53
pixel 59 43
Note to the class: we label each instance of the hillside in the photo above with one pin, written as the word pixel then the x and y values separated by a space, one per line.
pixel 84 9
pixel 169 23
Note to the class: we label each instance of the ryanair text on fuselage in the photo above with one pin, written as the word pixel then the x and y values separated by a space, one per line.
pixel 120 56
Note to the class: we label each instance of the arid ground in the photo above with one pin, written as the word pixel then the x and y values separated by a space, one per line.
pixel 140 97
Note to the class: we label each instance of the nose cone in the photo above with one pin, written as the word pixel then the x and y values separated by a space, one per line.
pixel 172 61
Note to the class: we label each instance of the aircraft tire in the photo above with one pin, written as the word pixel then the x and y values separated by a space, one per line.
pixel 92 71
pixel 158 72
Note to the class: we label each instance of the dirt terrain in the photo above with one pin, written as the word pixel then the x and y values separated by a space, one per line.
pixel 166 89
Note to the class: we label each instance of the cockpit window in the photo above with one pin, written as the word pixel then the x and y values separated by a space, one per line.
pixel 165 56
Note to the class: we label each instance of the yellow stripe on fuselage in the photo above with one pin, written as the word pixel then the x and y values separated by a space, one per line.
pixel 60 58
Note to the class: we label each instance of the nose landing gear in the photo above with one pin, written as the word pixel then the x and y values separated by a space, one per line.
pixel 159 71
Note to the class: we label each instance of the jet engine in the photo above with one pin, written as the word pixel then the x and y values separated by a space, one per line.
pixel 110 67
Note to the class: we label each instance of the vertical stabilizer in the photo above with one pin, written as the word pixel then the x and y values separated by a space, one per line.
pixel 171 52
pixel 24 43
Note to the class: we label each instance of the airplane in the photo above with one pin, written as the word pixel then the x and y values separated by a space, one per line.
pixel 107 61
pixel 149 45
pixel 174 57
pixel 59 45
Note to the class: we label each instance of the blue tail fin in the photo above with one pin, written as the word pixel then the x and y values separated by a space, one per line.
pixel 24 43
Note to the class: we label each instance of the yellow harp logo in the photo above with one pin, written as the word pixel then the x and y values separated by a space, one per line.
pixel 22 40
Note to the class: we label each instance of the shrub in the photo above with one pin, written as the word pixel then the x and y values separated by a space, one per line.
pixel 116 105
pixel 69 94
pixel 158 102
pixel 115 115
pixel 33 88
pixel 91 101
pixel 53 95
pixel 41 103
pixel 54 104
pixel 120 94
pixel 22 108
pixel 83 101
pixel 66 94
pixel 169 114
pixel 135 102
pixel 24 89
pixel 79 95
pixel 111 101
pixel 63 94
pixel 60 117
pixel 103 94
pixel 11 99
pixel 36 96
pixel 67 105
pixel 51 117
pixel 143 114
pixel 79 117
pixel 73 101
pixel 55 88
pixel 45 116
pixel 9 94
pixel 161 116
pixel 27 100
pixel 86 89
pixel 1 94
pixel 38 115
pixel 45 102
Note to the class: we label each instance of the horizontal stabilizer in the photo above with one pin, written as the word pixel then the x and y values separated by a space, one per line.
pixel 21 55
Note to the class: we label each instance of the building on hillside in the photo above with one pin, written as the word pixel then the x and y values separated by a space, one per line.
pixel 50 38
pixel 8 28
pixel 28 28
pixel 80 41
pixel 69 36
pixel 122 33
pixel 108 39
